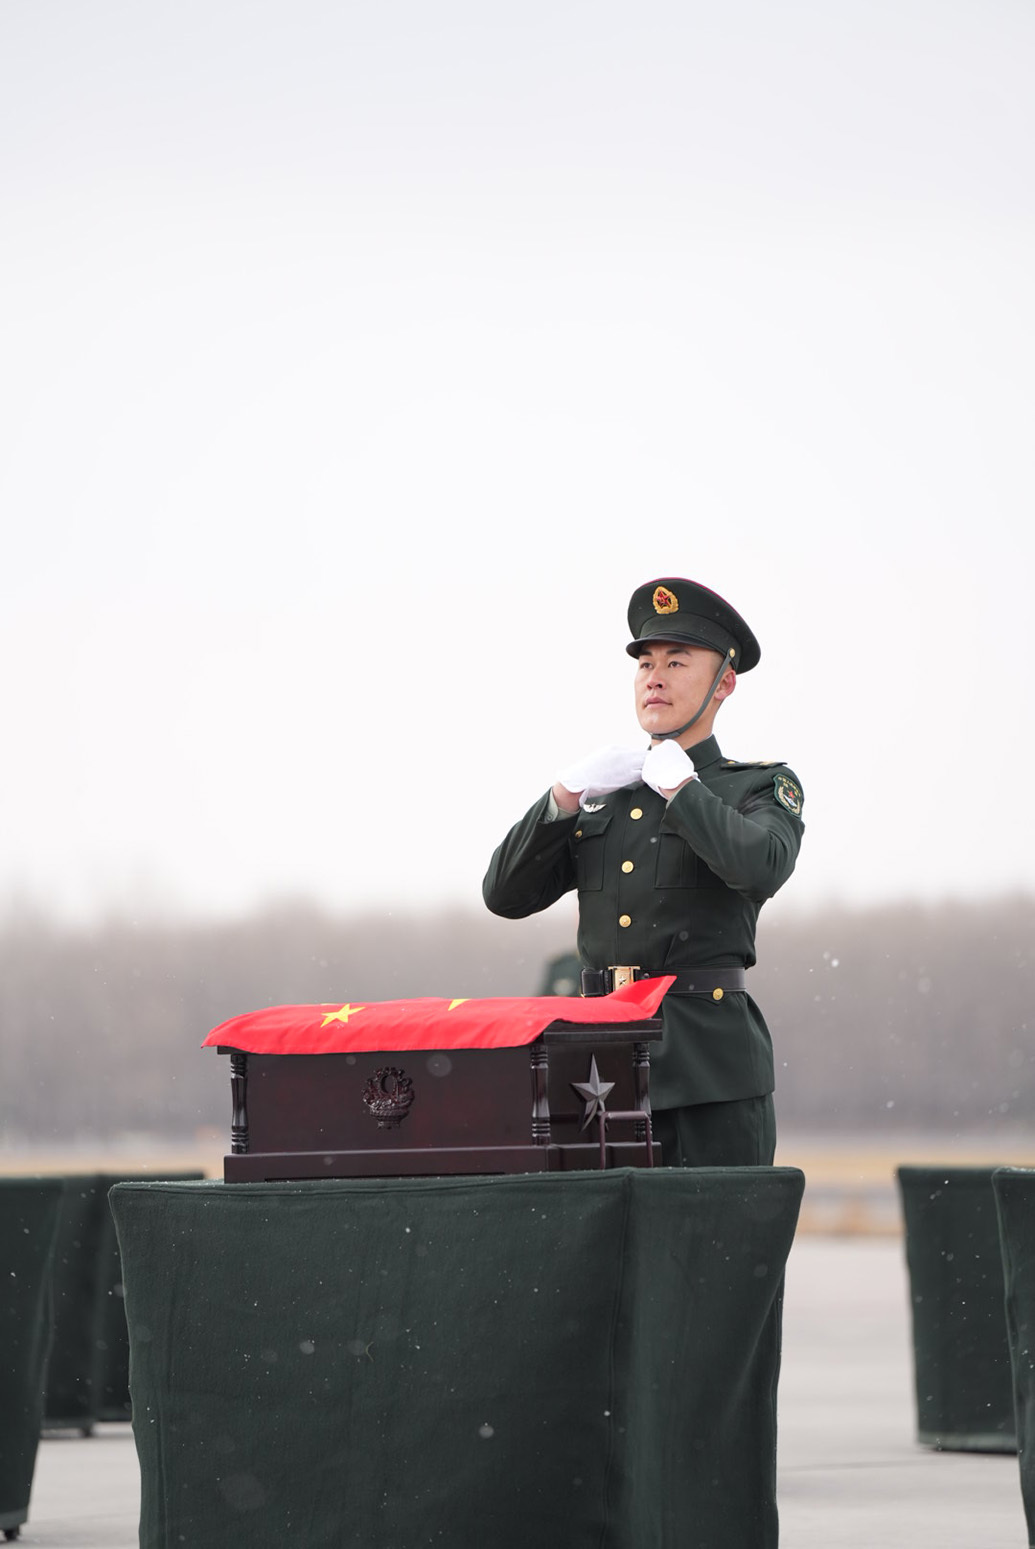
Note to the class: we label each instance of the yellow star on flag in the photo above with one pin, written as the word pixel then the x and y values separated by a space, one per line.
pixel 454 1003
pixel 342 1015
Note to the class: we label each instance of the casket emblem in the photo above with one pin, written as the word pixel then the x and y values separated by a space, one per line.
pixel 388 1095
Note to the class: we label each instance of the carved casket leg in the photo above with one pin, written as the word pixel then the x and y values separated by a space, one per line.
pixel 539 1063
pixel 239 1100
pixel 641 1085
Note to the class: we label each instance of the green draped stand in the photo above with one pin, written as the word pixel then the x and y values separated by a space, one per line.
pixel 28 1229
pixel 109 1371
pixel 1014 1190
pixel 558 1360
pixel 88 1369
pixel 69 1393
pixel 964 1392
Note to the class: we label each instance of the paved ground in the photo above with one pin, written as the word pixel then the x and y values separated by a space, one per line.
pixel 851 1475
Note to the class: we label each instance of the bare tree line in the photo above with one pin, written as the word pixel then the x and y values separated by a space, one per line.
pixel 883 1018
pixel 904 1016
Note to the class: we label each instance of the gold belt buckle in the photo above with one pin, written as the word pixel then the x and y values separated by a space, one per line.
pixel 622 974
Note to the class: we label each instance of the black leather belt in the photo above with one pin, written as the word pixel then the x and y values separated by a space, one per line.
pixel 691 981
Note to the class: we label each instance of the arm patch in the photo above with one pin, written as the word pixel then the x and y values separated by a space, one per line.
pixel 788 794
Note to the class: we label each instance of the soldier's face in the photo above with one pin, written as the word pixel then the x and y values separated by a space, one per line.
pixel 671 681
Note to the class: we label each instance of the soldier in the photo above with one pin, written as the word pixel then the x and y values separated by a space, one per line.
pixel 673 850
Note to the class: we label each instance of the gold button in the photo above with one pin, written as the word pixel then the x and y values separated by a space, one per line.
pixel 717 994
pixel 578 833
pixel 624 919
pixel 627 865
pixel 637 812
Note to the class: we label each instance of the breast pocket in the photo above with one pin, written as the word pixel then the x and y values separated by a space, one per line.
pixel 676 864
pixel 679 866
pixel 588 843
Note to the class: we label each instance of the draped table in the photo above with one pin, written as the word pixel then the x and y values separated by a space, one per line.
pixel 563 1360
pixel 1014 1190
pixel 961 1355
pixel 29 1216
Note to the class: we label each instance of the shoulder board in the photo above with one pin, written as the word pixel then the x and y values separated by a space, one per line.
pixel 751 763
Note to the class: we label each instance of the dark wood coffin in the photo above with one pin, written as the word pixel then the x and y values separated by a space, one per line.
pixel 575 1098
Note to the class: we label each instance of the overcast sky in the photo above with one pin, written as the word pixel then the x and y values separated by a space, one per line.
pixel 359 359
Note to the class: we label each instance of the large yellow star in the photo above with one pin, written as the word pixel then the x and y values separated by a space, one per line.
pixel 454 1003
pixel 342 1015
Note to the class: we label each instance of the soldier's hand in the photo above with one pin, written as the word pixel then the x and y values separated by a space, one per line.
pixel 667 767
pixel 606 770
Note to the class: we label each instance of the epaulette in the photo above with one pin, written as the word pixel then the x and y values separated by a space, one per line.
pixel 751 763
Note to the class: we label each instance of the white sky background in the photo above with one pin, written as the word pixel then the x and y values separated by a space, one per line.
pixel 358 360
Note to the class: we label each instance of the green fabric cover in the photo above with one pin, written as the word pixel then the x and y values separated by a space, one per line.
pixel 559 1360
pixel 88 1370
pixel 1014 1190
pixel 964 1393
pixel 69 1396
pixel 28 1229
pixel 109 1374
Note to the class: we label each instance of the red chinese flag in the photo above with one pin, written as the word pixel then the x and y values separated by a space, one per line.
pixel 368 1027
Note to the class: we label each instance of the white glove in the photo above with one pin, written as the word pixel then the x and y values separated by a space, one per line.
pixel 608 769
pixel 667 765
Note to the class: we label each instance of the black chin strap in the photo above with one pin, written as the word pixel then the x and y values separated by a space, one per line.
pixel 666 736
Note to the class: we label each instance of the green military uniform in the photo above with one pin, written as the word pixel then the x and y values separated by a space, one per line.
pixel 672 887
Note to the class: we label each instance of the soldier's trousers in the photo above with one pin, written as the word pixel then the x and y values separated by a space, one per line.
pixel 735 1134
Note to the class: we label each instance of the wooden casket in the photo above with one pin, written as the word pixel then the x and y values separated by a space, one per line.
pixel 566 1088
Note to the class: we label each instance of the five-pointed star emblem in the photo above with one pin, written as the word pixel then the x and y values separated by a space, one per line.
pixel 594 1093
pixel 342 1015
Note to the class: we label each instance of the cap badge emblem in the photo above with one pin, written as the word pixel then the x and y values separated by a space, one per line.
pixel 665 601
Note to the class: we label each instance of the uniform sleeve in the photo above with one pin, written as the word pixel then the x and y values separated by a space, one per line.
pixel 752 847
pixel 533 867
